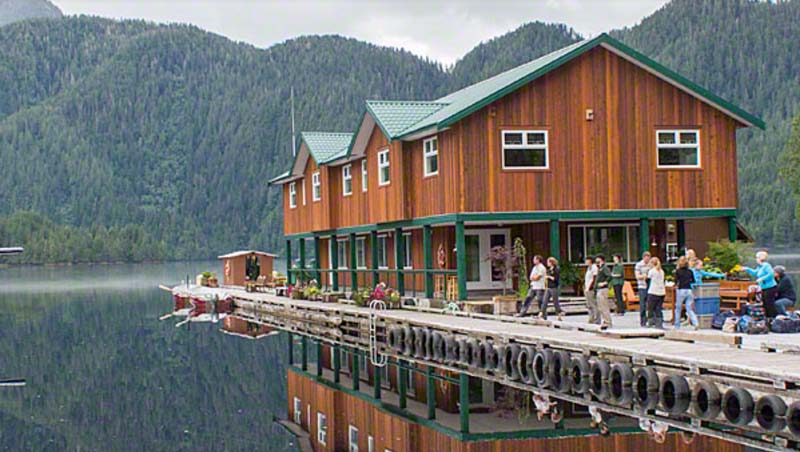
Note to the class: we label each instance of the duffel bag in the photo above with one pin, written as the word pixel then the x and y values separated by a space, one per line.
pixel 756 311
pixel 785 325
pixel 744 324
pixel 731 323
pixel 758 327
pixel 718 321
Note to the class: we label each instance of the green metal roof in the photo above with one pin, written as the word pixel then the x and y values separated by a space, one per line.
pixel 394 117
pixel 279 177
pixel 325 147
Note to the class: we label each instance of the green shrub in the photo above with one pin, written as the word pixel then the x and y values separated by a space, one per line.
pixel 726 255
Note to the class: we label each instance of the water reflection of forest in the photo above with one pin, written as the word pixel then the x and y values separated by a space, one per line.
pixel 104 374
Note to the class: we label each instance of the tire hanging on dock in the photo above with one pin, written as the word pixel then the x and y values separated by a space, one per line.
pixel 620 379
pixel 478 354
pixel 510 357
pixel 558 370
pixel 494 356
pixel 451 349
pixel 675 395
pixel 525 364
pixel 599 370
pixel 420 342
pixel 408 338
pixel 429 344
pixel 579 375
pixel 396 339
pixel 793 419
pixel 737 406
pixel 438 347
pixel 706 400
pixel 646 387
pixel 770 411
pixel 464 352
pixel 541 365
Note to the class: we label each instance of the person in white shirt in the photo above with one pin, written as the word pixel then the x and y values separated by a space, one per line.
pixel 543 405
pixel 589 291
pixel 641 270
pixel 536 288
pixel 655 294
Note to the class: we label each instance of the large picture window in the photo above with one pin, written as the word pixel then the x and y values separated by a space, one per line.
pixel 678 148
pixel 525 149
pixel 347 180
pixel 384 176
pixel 605 239
pixel 430 155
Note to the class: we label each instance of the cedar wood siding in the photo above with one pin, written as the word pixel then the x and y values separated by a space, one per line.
pixel 315 215
pixel 400 435
pixel 605 164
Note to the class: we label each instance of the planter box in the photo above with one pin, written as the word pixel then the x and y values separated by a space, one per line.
pixel 332 297
pixel 505 304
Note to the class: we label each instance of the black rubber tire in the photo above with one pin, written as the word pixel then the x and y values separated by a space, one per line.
pixel 438 347
pixel 793 419
pixel 770 411
pixel 429 345
pixel 451 349
pixel 478 352
pixel 675 395
pixel 408 338
pixel 541 364
pixel 525 363
pixel 706 400
pixel 645 388
pixel 558 371
pixel 511 354
pixel 579 375
pixel 598 371
pixel 392 337
pixel 737 406
pixel 420 343
pixel 464 354
pixel 620 378
pixel 495 362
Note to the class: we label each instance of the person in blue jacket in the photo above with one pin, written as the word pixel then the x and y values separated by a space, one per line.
pixel 765 277
pixel 699 273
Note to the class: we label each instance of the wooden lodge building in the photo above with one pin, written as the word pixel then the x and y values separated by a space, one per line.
pixel 592 148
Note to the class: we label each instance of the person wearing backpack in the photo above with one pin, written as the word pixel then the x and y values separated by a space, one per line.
pixel 786 296
pixel 765 277
pixel 684 279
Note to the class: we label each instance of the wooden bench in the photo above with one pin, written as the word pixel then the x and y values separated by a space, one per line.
pixel 485 307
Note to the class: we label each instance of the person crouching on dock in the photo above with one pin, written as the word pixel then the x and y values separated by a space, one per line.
pixel 603 280
pixel 536 289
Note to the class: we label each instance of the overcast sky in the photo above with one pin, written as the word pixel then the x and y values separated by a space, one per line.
pixel 441 30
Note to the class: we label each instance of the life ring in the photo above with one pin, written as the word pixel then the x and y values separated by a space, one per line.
pixel 737 405
pixel 228 270
pixel 441 256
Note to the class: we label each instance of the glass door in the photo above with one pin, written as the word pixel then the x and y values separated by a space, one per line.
pixel 480 274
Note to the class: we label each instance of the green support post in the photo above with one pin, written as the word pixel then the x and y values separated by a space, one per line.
pixel 400 259
pixel 353 264
pixel 291 349
pixel 463 402
pixel 337 364
pixel 289 274
pixel 555 239
pixel 301 263
pixel 427 247
pixel 402 376
pixel 354 370
pixel 644 236
pixel 680 225
pixel 732 234
pixel 319 358
pixel 373 249
pixel 461 260
pixel 430 392
pixel 376 382
pixel 334 263
pixel 304 352
pixel 317 261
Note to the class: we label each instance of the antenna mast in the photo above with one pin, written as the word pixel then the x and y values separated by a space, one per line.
pixel 294 147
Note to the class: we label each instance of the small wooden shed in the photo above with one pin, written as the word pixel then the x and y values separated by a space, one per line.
pixel 242 267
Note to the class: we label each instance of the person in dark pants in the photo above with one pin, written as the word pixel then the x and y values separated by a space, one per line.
pixel 553 278
pixel 617 281
pixel 765 277
pixel 641 270
pixel 786 297
pixel 655 294
pixel 537 285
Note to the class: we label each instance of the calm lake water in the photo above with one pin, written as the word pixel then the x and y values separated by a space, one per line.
pixel 104 374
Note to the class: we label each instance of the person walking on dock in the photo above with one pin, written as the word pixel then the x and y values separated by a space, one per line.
pixel 590 292
pixel 617 281
pixel 537 286
pixel 765 277
pixel 641 270
pixel 684 279
pixel 655 294
pixel 553 279
pixel 603 280
pixel 786 297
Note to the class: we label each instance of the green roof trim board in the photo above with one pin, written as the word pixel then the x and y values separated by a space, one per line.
pixel 403 119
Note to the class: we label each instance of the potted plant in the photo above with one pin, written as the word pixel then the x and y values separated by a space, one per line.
pixel 361 297
pixel 392 299
pixel 504 262
pixel 523 283
pixel 571 276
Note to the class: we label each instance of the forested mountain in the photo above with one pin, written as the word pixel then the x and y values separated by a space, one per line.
pixel 113 124
pixel 16 10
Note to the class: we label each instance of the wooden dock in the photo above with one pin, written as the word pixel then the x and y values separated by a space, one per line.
pixel 714 361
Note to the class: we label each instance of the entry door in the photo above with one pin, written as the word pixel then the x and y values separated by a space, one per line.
pixel 480 274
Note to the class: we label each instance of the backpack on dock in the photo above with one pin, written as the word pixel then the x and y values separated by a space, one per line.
pixel 785 325
pixel 718 321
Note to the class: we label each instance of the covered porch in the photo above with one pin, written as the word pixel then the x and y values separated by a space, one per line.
pixel 446 256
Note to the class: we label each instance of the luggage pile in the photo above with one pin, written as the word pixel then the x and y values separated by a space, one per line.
pixel 754 321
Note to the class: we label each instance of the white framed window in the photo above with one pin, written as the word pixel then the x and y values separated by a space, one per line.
pixel 364 175
pixel 322 428
pixel 347 180
pixel 678 148
pixel 371 442
pixel 298 411
pixel 525 149
pixel 409 248
pixel 606 239
pixel 382 252
pixel 341 253
pixel 384 176
pixel 352 437
pixel 303 181
pixel 361 252
pixel 430 156
pixel 316 187
pixel 293 195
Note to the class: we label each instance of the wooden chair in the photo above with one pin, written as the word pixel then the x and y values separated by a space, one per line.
pixel 630 297
pixel 438 286
pixel 452 288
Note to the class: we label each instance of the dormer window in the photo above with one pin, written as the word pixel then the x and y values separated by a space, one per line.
pixel 383 168
pixel 293 195
pixel 430 155
pixel 316 187
pixel 347 180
